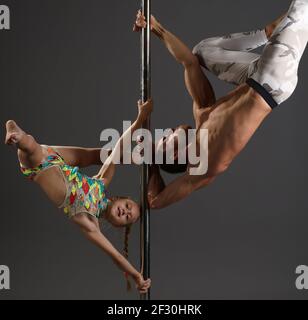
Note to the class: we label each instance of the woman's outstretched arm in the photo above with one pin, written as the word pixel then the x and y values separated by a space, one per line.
pixel 108 170
pixel 90 229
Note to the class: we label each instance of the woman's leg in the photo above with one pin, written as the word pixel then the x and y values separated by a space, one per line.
pixel 30 153
pixel 82 157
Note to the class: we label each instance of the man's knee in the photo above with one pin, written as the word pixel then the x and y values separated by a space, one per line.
pixel 191 61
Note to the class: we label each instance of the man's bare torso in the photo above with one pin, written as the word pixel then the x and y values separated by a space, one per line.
pixel 231 123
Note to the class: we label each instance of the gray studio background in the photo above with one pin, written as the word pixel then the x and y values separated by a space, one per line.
pixel 68 70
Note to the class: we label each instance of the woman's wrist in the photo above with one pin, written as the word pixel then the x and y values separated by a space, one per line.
pixel 136 276
pixel 127 268
pixel 140 120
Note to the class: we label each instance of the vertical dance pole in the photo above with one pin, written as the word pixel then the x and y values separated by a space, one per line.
pixel 145 95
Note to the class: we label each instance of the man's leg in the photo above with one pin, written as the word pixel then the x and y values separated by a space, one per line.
pixel 197 84
pixel 276 76
pixel 230 57
pixel 243 41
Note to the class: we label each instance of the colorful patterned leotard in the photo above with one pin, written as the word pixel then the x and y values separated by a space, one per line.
pixel 84 194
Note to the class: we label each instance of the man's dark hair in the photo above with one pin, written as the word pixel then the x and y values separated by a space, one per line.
pixel 173 168
pixel 176 168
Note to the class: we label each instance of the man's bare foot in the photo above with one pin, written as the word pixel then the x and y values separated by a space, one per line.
pixel 13 133
pixel 271 27
pixel 141 22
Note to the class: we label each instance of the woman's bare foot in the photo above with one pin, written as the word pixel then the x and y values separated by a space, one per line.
pixel 13 133
pixel 271 27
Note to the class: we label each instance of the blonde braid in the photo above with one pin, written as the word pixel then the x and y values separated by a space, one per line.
pixel 126 240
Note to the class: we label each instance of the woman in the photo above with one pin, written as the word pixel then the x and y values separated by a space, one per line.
pixel 83 198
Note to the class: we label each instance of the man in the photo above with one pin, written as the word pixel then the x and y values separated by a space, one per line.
pixel 263 83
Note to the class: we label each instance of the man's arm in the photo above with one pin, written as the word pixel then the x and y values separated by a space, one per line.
pixel 156 183
pixel 179 189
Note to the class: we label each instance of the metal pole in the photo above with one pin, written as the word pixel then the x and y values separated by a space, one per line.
pixel 145 95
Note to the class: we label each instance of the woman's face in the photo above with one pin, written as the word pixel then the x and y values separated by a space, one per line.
pixel 124 212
